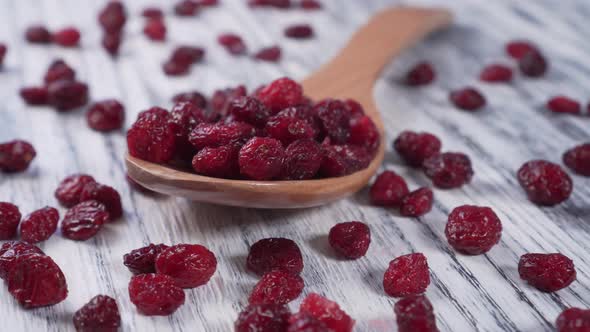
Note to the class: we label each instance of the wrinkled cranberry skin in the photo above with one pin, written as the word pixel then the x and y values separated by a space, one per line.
pixel 364 132
pixel 67 95
pixel 232 43
pixel 473 230
pixel 9 220
pixel 67 37
pixel 152 137
pixel 272 254
pixel 38 34
pixel 69 190
pixel 249 110
pixel 221 99
pixel 94 191
pixel 111 42
pixel 407 275
pixel 417 203
pixel 421 74
pixel 335 119
pixel 340 160
pixel 270 54
pixel 112 17
pixel 186 116
pixel 415 314
pixel 544 182
pixel 299 31
pixel 519 48
pixel 533 64
pixel 155 294
pixel 496 73
pixel 219 134
pixel 186 8
pixel 261 158
pixel 303 159
pixel 36 281
pixel 12 251
pixel 578 159
pixel 106 115
pixel 39 225
pixel 388 189
pixel 448 170
pixel 277 287
pixel 263 318
pixel 221 162
pixel 16 156
pixel 415 147
pixel 563 104
pixel 573 320
pixel 35 95
pixel 152 13
pixel 187 55
pixel 143 260
pixel 101 314
pixel 280 94
pixel 327 312
pixel 190 265
pixel 194 97
pixel 84 220
pixel 304 322
pixel 288 129
pixel 350 239
pixel 155 29
pixel 59 70
pixel 547 272
pixel 468 99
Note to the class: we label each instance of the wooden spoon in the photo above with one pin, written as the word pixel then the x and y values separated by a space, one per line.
pixel 351 74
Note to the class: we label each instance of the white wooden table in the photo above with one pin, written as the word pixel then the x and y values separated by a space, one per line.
pixel 481 293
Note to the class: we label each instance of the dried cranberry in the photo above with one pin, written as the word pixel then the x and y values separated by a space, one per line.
pixel 155 294
pixel 355 108
pixel 221 162
pixel 407 275
pixel 194 97
pixel 261 158
pixel 273 254
pixel 415 313
pixel 328 312
pixel 578 159
pixel 155 29
pixel 36 281
pixel 421 74
pixel 152 137
pixel 152 13
pixel 16 156
pixel 101 314
pixel 547 272
pixel 186 8
pixel 111 42
pixel 220 134
pixel 232 43
pixel 388 189
pixel 350 239
pixel 299 31
pixel 448 170
pixel 519 48
pixel 468 99
pixel 94 191
pixel 544 182
pixel 270 54
pixel 38 34
pixel 84 220
pixel 59 70
pixel 187 55
pixel 495 73
pixel 573 320
pixel 249 110
pixel 563 104
pixel 280 94
pixel 221 99
pixel 345 159
pixel 3 50
pixel 335 118
pixel 186 116
pixel 417 203
pixel 69 189
pixel 415 147
pixel 143 260
pixel 9 220
pixel 364 132
pixel 533 64
pixel 473 230
pixel 35 95
pixel 172 68
pixel 277 287
pixel 288 129
pixel 11 252
pixel 190 265
pixel 112 17
pixel 39 225
pixel 209 3
pixel 302 161
pixel 304 322
pixel 310 4
pixel 66 95
pixel 263 318
pixel 106 115
pixel 67 37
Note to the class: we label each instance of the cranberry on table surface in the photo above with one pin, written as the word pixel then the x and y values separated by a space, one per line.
pixel 249 110
pixel 547 272
pixel 208 3
pixel 421 74
pixel 299 31
pixel 310 4
pixel 155 29
pixel 106 115
pixel 143 260
pixel 186 8
pixel 59 70
pixel 415 313
pixel 335 119
pixel 303 159
pixel 16 156
pixel 288 129
pixel 12 251
pixel 468 99
pixel 350 239
pixel 67 37
pixel 172 68
pixel 261 158
pixel 84 220
pixel 152 13
pixel 221 162
pixel 417 203
pixel 277 287
pixel 578 159
pixel 37 281
pixel 155 294
pixel 448 170
pixel 564 104
pixel 152 137
pixel 270 54
pixel 473 230
pixel 415 147
pixel 194 97
pixel 496 73
pixel 304 322
pixel 573 320
pixel 187 54
pixel 220 134
pixel 533 64
pixel 100 314
pixel 388 189
pixel 280 94
pixel 3 50
pixel 232 43
pixel 190 265
pixel 328 312
pixel 35 95
pixel 263 318
pixel 69 190
pixel 113 16
pixel 111 43
pixel 519 48
pixel 39 225
pixel 281 4
pixel 38 34
pixel 364 132
pixel 67 95
pixel 406 275
pixel 272 254
pixel 544 182
pixel 9 219
pixel 94 191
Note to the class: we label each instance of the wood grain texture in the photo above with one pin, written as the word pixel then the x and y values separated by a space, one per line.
pixel 482 293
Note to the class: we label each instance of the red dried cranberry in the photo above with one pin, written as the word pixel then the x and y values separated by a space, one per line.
pixel 420 74
pixel 335 118
pixel 232 43
pixel 155 294
pixel 407 275
pixel 415 313
pixel 152 137
pixel 355 108
pixel 519 48
pixel 186 8
pixel 67 37
pixel 417 203
pixel 263 318
pixel 155 29
pixel 9 220
pixel 3 50
pixel 249 110
pixel 547 272
pixel 277 287
pixel 496 73
pixel 448 170
pixel 388 189
pixel 280 94
pixel 111 42
pixel 341 160
pixel 573 320
pixel 328 312
pixel 112 17
pixel 38 34
pixel 221 98
pixel 288 129
pixel 364 132
pixel 221 162
pixel 186 116
pixel 106 115
pixel 299 31
pixel 273 254
pixel 473 230
pixel 16 156
pixel 578 159
pixel 468 99
pixel 533 64
pixel 303 159
pixel 281 4
pixel 143 260
pixel 414 147
pixel 306 113
pixel 194 97
pixel 11 252
pixel 304 322
pixel 187 55
pixel 39 225
pixel 84 220
pixel 59 70
pixel 350 239
pixel 35 95
pixel 190 265
pixel 310 4
pixel 261 158
pixel 152 13
pixel 69 189
pixel 36 281
pixel 94 191
pixel 67 95
pixel 219 134
pixel 270 54
pixel 172 68
pixel 101 314
pixel 209 3
pixel 563 104
pixel 544 182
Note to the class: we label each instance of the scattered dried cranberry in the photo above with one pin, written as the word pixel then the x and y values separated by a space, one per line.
pixel 67 37
pixel 547 272
pixel 277 287
pixel 415 147
pixel 36 281
pixel 12 251
pixel 3 50
pixel 208 3
pixel 563 104
pixel 220 134
pixel 263 318
pixel 364 132
pixel 143 260
pixel 113 16
pixel 302 161
pixel 221 162
pixel 415 313
pixel 152 137
pixel 152 13
pixel 473 230
pixel 35 95
pixel 448 170
pixel 187 55
pixel 468 99
pixel 94 191
pixel 190 265
pixel 496 73
pixel 421 74
pixel 261 158
pixel 407 275
pixel 533 64
pixel 328 312
pixel 310 4
pixel 578 159
pixel 106 115
pixel 16 156
pixel 280 94
pixel 101 314
pixel 59 70
pixel 417 203
pixel 155 294
pixel 9 220
pixel 194 97
pixel 111 42
pixel 519 48
pixel 281 4
pixel 249 110
pixel 186 8
pixel 155 29
pixel 299 31
pixel 304 322
pixel 573 320
pixel 172 68
pixel 270 54
pixel 232 43
pixel 38 34
pixel 544 182
pixel 287 128
pixel 273 254
pixel 66 95
pixel 69 190
pixel 84 220
pixel 335 119
pixel 350 239
pixel 39 225
pixel 388 189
